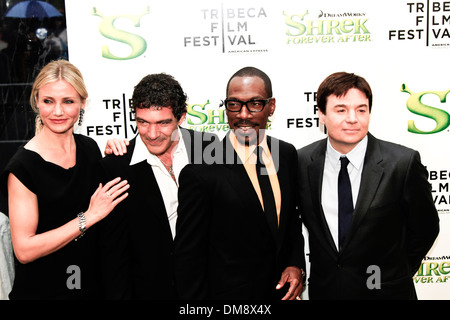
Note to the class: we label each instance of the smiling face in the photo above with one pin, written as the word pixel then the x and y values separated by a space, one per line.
pixel 346 119
pixel 247 125
pixel 59 106
pixel 156 127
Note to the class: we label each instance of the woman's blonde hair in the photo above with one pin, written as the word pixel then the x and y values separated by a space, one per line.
pixel 52 72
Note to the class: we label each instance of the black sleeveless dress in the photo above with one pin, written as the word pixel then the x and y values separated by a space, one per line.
pixel 69 273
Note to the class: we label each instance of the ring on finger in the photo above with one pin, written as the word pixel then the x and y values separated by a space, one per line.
pixel 108 195
pixel 298 298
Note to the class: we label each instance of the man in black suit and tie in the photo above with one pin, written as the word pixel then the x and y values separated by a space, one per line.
pixel 234 240
pixel 366 203
pixel 136 245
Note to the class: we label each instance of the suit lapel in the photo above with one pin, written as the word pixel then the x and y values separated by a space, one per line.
pixel 240 181
pixel 315 176
pixel 284 174
pixel 148 193
pixel 280 162
pixel 370 180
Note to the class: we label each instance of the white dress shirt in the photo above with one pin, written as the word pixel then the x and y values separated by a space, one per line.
pixel 167 186
pixel 330 182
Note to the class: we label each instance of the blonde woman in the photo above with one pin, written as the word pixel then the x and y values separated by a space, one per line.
pixel 53 201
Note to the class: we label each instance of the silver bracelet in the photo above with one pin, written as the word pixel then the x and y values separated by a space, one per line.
pixel 81 224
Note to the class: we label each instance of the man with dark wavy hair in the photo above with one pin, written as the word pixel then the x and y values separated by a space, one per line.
pixel 137 242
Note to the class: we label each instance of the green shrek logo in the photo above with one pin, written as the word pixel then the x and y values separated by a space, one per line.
pixel 201 119
pixel 416 106
pixel 107 28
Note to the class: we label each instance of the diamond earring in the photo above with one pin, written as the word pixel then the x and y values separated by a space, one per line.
pixel 80 119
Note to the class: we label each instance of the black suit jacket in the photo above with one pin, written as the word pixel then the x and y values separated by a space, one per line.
pixel 136 244
pixel 224 248
pixel 394 224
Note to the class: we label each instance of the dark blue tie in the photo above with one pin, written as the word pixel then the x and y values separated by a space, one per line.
pixel 345 201
pixel 270 209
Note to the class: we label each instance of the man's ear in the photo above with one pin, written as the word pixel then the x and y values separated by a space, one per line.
pixel 182 118
pixel 321 117
pixel 272 106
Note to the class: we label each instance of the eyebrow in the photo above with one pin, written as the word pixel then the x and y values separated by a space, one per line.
pixel 345 105
pixel 252 98
pixel 160 121
pixel 52 97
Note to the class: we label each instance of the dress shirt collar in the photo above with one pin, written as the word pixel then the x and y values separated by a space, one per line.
pixel 246 153
pixel 355 156
pixel 141 152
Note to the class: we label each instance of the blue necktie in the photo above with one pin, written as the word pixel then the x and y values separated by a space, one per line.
pixel 270 209
pixel 345 201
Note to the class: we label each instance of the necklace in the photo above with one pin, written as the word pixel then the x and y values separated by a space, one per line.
pixel 169 168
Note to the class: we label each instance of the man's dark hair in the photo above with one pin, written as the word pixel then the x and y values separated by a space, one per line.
pixel 339 84
pixel 253 72
pixel 160 90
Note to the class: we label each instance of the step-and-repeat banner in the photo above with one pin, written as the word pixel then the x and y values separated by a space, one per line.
pixel 401 47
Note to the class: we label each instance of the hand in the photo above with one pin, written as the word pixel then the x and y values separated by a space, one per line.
pixel 105 199
pixel 294 277
pixel 116 146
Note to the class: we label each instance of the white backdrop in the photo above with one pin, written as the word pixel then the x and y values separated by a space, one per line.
pixel 401 47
